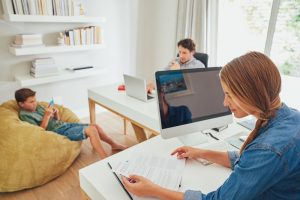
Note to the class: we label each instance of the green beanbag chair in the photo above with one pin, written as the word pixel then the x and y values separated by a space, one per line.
pixel 31 156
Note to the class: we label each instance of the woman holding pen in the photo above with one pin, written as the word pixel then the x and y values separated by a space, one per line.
pixel 268 164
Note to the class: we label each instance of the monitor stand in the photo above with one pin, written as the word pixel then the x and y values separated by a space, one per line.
pixel 193 139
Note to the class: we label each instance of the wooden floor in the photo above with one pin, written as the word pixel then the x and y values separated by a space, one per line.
pixel 67 186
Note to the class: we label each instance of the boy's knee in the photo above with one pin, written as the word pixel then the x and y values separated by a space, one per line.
pixel 96 126
pixel 91 131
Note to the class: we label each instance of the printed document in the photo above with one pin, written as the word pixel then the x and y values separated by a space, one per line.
pixel 165 171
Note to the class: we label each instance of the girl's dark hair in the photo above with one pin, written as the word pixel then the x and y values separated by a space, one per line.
pixel 21 95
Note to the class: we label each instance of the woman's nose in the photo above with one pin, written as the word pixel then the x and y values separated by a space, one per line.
pixel 225 102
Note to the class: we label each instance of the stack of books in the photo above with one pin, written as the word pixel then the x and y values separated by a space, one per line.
pixel 28 40
pixel 44 7
pixel 43 67
pixel 83 36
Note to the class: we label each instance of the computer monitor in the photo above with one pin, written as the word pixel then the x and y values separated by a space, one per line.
pixel 190 101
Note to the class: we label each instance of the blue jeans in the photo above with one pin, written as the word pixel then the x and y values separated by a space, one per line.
pixel 73 131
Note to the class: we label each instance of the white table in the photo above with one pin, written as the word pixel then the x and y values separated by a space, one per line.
pixel 142 115
pixel 98 182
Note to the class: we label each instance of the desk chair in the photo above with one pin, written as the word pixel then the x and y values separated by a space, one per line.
pixel 202 57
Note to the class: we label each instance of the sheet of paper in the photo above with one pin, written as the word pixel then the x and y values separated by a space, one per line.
pixel 165 171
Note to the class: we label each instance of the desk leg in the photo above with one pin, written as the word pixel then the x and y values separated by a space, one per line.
pixel 125 126
pixel 152 135
pixel 139 133
pixel 84 195
pixel 92 111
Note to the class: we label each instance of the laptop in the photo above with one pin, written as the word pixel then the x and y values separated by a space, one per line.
pixel 137 88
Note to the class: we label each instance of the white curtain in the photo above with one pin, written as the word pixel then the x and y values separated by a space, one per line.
pixel 191 22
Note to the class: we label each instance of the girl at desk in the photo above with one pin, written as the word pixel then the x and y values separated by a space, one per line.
pixel 268 164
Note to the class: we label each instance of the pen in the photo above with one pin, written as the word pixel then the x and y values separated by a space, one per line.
pixel 120 181
pixel 180 182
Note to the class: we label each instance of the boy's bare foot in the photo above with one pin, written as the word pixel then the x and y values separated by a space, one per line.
pixel 118 146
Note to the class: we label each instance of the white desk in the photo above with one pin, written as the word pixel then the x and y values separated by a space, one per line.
pixel 142 115
pixel 98 182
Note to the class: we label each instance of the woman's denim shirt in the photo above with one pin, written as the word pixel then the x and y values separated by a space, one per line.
pixel 268 168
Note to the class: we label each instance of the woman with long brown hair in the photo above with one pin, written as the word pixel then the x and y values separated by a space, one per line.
pixel 268 164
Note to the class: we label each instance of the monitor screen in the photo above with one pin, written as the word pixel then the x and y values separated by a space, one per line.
pixel 190 100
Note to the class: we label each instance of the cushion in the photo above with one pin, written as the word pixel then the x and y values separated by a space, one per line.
pixel 31 156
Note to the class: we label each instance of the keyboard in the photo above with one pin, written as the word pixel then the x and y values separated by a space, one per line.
pixel 149 97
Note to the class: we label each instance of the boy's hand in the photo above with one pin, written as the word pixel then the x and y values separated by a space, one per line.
pixel 49 112
pixel 56 113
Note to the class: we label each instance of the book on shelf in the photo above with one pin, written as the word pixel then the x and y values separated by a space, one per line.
pixel 43 72
pixel 26 45
pixel 43 75
pixel 43 67
pixel 83 36
pixel 28 39
pixel 29 36
pixel 41 7
pixel 46 60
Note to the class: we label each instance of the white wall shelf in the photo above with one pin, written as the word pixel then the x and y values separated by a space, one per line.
pixel 54 19
pixel 52 49
pixel 27 80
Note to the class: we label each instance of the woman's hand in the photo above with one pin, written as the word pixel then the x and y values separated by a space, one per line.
pixel 187 152
pixel 139 185
pixel 218 157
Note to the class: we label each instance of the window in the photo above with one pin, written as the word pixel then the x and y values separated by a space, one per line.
pixel 247 25
pixel 285 51
pixel 242 27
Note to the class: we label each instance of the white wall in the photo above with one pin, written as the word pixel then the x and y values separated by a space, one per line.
pixel 119 35
pixel 156 35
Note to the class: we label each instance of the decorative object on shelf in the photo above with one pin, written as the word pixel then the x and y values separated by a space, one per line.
pixel 82 12
pixel 61 40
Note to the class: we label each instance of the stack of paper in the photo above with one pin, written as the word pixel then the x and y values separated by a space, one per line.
pixel 43 67
pixel 165 171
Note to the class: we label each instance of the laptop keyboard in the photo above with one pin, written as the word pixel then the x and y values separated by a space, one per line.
pixel 149 97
